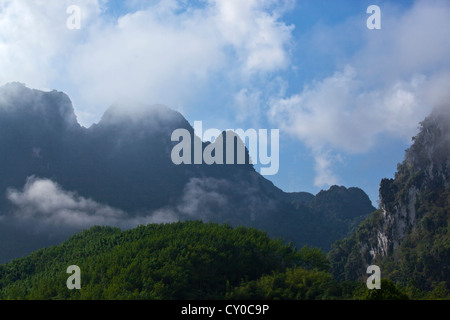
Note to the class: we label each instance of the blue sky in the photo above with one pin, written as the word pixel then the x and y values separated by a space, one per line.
pixel 347 100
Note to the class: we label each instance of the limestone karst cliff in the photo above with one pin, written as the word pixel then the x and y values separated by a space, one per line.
pixel 408 235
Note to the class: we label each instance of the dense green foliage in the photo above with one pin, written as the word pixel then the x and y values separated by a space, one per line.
pixel 423 257
pixel 293 284
pixel 348 262
pixel 190 260
pixel 420 263
pixel 388 291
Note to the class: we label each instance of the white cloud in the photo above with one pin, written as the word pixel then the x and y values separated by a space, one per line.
pixel 34 39
pixel 412 41
pixel 324 176
pixel 339 113
pixel 386 89
pixel 166 52
pixel 46 202
pixel 247 105
pixel 257 35
pixel 45 205
pixel 203 197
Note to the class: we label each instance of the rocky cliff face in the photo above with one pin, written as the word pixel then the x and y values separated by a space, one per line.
pixel 425 170
pixel 410 229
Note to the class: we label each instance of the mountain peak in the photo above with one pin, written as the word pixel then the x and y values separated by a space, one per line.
pixel 53 108
pixel 428 155
pixel 125 162
pixel 129 111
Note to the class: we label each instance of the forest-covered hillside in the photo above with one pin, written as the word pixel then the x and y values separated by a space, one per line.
pixel 184 260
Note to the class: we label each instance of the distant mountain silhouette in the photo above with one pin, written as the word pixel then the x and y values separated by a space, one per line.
pixel 124 163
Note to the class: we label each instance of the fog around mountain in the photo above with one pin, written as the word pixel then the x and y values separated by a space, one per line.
pixel 58 178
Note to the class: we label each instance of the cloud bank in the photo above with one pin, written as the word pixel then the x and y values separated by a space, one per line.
pixel 45 202
pixel 161 52
pixel 45 206
pixel 384 90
